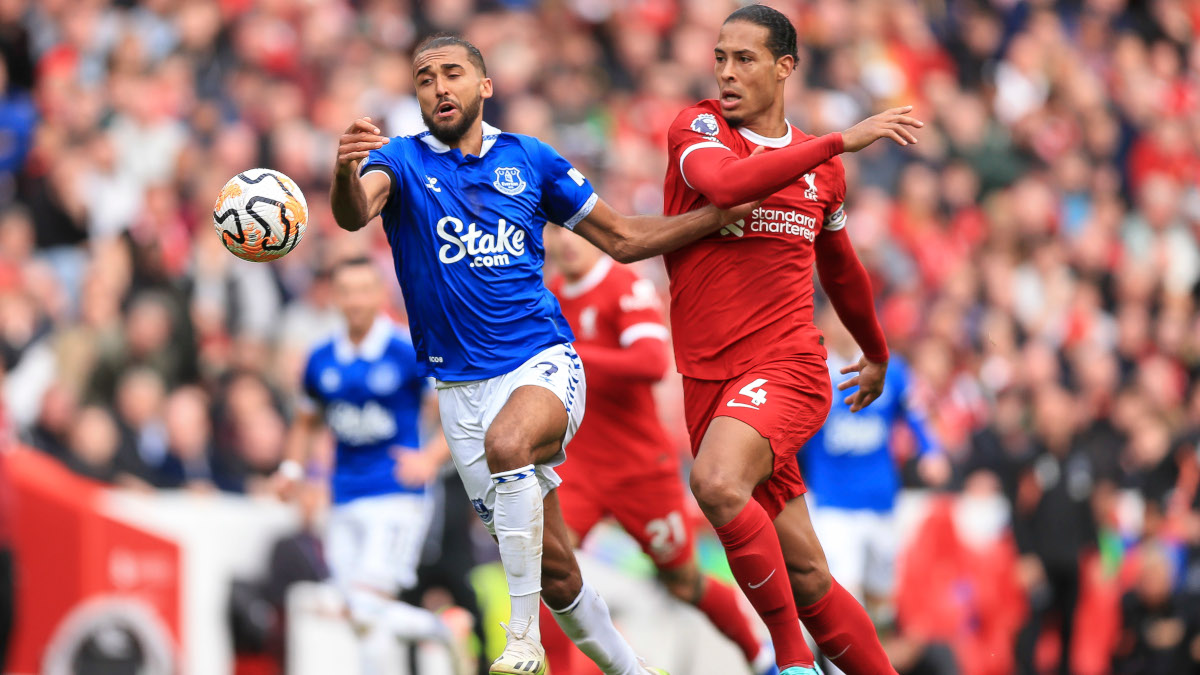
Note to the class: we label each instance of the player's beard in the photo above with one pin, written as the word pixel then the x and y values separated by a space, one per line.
pixel 451 133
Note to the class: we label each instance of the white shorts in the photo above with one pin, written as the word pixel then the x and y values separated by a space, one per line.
pixel 860 547
pixel 469 408
pixel 376 542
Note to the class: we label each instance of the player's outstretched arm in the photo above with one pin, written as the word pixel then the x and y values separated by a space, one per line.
pixel 356 200
pixel 296 452
pixel 632 238
pixel 645 360
pixel 725 179
pixel 848 287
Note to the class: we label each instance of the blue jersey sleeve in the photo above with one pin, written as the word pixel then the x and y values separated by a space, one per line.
pixel 567 197
pixel 914 415
pixel 388 160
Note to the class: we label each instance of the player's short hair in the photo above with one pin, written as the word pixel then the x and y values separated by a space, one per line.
pixel 781 34
pixel 351 263
pixel 450 40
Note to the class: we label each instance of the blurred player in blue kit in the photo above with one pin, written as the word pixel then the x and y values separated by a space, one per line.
pixel 365 386
pixel 463 205
pixel 855 518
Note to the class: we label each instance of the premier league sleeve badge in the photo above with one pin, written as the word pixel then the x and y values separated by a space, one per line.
pixel 706 123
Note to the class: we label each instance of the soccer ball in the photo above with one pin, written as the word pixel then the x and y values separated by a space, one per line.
pixel 260 215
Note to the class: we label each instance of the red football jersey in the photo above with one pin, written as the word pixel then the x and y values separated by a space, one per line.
pixel 613 307
pixel 744 295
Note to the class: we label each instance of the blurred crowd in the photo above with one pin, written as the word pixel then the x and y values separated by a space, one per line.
pixel 1035 257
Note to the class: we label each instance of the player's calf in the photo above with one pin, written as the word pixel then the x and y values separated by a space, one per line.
pixel 810 577
pixel 683 582
pixel 561 579
pixel 805 558
pixel 836 621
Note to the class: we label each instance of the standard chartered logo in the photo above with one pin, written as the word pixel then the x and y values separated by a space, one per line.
pixel 371 423
pixel 482 248
pixel 775 221
pixel 783 221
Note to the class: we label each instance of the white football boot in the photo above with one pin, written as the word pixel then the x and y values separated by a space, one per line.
pixel 523 655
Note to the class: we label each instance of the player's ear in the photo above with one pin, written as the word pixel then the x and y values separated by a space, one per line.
pixel 785 66
pixel 485 87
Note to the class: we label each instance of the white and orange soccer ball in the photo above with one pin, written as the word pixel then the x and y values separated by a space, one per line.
pixel 260 215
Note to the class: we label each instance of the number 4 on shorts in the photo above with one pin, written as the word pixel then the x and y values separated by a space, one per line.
pixel 754 392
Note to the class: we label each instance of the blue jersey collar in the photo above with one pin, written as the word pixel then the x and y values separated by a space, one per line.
pixel 490 134
pixel 372 347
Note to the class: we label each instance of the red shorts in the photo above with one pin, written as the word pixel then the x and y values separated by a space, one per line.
pixel 650 508
pixel 786 401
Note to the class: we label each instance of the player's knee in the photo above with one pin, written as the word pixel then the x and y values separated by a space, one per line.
pixel 507 451
pixel 719 495
pixel 810 579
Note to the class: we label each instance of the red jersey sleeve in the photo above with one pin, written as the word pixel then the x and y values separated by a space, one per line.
pixel 844 278
pixel 835 209
pixel 699 140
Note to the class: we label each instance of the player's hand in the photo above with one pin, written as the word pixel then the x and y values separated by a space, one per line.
pixel 895 124
pixel 739 212
pixel 285 482
pixel 282 487
pixel 415 468
pixel 869 382
pixel 359 140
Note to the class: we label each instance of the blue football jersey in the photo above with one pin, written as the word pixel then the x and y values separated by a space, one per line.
pixel 848 464
pixel 466 239
pixel 370 395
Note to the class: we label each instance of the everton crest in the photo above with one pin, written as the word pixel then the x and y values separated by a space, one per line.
pixel 509 181
pixel 706 123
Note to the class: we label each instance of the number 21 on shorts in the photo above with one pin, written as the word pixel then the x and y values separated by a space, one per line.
pixel 752 391
pixel 667 534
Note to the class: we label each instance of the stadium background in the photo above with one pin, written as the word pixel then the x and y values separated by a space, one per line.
pixel 1035 257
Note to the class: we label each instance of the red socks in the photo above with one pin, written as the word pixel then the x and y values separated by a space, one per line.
pixel 845 633
pixel 720 604
pixel 757 563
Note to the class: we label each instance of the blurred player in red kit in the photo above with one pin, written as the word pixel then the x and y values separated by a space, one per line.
pixel 755 380
pixel 621 463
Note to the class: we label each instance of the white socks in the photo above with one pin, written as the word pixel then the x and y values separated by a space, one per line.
pixel 400 620
pixel 384 623
pixel 589 625
pixel 519 525
pixel 519 522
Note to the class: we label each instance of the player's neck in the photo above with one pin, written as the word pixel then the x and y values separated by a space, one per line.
pixel 357 334
pixel 471 142
pixel 575 276
pixel 771 123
